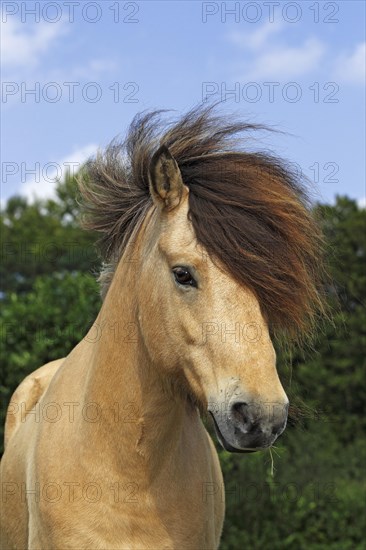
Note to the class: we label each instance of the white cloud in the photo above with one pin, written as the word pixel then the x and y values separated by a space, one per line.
pixel 23 45
pixel 23 48
pixel 361 203
pixel 352 67
pixel 286 61
pixel 267 57
pixel 43 184
pixel 256 39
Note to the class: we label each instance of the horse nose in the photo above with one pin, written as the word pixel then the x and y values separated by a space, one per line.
pixel 258 419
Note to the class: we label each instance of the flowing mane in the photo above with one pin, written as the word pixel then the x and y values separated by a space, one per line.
pixel 249 210
pixel 170 341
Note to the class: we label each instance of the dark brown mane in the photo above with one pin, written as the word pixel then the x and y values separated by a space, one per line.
pixel 248 209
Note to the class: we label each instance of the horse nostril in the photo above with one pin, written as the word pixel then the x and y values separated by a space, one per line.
pixel 256 419
pixel 245 417
pixel 240 412
pixel 240 408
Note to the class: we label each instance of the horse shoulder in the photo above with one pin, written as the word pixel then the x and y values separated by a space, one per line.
pixel 27 395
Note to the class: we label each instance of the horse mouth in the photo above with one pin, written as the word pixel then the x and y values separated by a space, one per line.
pixel 225 444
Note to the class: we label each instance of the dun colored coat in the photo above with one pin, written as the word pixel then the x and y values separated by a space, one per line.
pixel 210 251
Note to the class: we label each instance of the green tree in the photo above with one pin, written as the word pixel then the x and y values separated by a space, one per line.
pixel 48 289
pixel 332 378
pixel 43 324
pixel 44 237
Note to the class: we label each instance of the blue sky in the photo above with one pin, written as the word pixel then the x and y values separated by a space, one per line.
pixel 299 66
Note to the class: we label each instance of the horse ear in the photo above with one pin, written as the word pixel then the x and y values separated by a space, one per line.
pixel 166 184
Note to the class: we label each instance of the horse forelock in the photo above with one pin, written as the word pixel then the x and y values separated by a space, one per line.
pixel 250 211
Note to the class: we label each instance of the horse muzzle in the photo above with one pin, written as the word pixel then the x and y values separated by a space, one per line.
pixel 248 427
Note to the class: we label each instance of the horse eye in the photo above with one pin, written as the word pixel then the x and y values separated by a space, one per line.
pixel 183 276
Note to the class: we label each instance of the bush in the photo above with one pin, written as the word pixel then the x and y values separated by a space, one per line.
pixel 44 324
pixel 315 499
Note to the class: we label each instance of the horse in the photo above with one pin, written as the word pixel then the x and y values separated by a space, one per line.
pixel 210 253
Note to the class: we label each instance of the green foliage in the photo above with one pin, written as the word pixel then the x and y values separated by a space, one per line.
pixel 44 324
pixel 42 238
pixel 48 289
pixel 333 378
pixel 315 498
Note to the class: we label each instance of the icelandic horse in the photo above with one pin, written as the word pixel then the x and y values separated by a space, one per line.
pixel 210 252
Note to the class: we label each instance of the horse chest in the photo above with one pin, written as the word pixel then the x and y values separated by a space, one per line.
pixel 100 507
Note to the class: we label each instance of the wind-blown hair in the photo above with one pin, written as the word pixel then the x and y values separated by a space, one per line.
pixel 249 210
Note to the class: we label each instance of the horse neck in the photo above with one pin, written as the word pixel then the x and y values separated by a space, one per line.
pixel 140 418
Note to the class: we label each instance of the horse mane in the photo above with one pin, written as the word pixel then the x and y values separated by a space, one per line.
pixel 249 210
